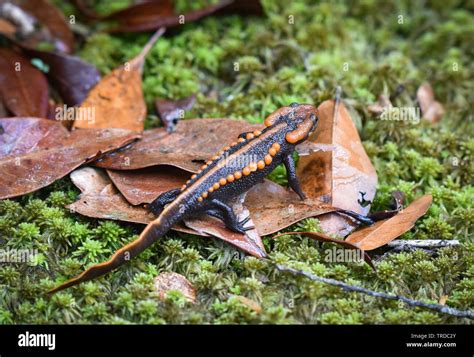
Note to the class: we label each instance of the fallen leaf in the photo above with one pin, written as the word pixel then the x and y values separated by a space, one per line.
pixel 19 136
pixel 7 28
pixel 45 22
pixel 36 167
pixel 382 104
pixel 192 143
pixel 143 186
pixel 273 207
pixel 252 304
pixel 167 281
pixel 443 299
pixel 431 109
pixel 23 88
pixel 326 239
pixel 339 176
pixel 383 232
pixel 170 111
pixel 117 99
pixel 100 199
pixel 72 77
pixel 151 15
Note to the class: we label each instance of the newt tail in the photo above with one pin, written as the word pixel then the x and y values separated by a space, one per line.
pixel 153 231
pixel 233 171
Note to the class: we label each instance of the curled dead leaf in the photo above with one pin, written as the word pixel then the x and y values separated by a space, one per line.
pixel 340 176
pixel 32 167
pixel 252 304
pixel 117 99
pixel 192 143
pixel 431 109
pixel 23 88
pixel 143 186
pixel 38 21
pixel 383 232
pixel 273 207
pixel 168 281
pixel 151 15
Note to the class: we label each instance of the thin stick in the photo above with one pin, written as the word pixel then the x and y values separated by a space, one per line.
pixel 422 243
pixel 440 308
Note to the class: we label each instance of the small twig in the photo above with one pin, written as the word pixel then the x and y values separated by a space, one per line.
pixel 440 308
pixel 422 243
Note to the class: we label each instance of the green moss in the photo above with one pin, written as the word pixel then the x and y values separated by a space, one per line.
pixel 246 68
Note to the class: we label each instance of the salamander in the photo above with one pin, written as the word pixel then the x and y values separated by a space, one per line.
pixel 231 172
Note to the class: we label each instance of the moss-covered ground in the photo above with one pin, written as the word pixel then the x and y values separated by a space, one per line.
pixel 367 47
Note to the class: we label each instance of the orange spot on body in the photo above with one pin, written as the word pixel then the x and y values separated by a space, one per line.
pixel 268 159
pixel 260 164
pixel 272 151
pixel 249 136
pixel 230 178
pixel 216 186
pixel 246 171
pixel 253 166
pixel 237 174
pixel 222 181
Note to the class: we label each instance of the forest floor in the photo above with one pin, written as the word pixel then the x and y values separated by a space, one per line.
pixel 367 48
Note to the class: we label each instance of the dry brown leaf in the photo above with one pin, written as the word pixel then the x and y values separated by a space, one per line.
pixel 252 304
pixel 383 232
pixel 117 99
pixel 431 109
pixel 143 186
pixel 23 88
pixel 338 176
pixel 273 207
pixel 150 15
pixel 33 166
pixel 19 136
pixel 443 299
pixel 40 22
pixel 7 28
pixel 382 104
pixel 192 143
pixel 167 281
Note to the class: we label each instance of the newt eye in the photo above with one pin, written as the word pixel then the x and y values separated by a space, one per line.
pixel 303 130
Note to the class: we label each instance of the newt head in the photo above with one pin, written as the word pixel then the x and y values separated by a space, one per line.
pixel 301 120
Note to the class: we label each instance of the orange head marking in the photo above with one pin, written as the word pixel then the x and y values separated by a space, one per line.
pixel 301 123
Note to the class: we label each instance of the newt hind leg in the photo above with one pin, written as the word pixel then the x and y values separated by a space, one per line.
pixel 225 213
